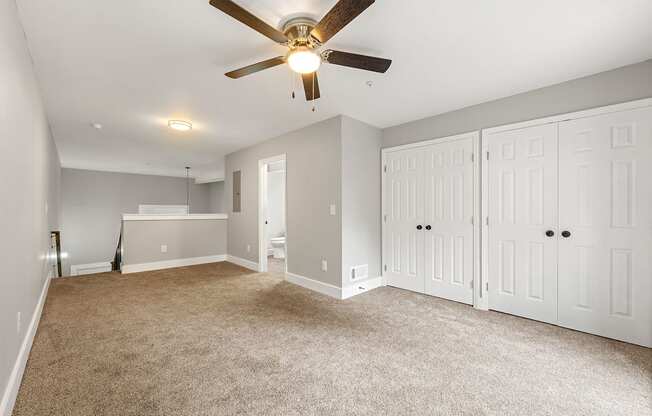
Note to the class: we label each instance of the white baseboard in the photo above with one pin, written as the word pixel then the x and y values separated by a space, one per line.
pixel 361 287
pixel 16 376
pixel 81 269
pixel 334 291
pixel 315 285
pixel 247 264
pixel 168 264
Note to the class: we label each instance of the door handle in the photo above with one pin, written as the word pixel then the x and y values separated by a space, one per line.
pixel 419 227
pixel 550 233
pixel 565 234
pixel 428 227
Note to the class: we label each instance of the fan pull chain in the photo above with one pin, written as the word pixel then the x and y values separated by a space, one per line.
pixel 314 106
pixel 292 84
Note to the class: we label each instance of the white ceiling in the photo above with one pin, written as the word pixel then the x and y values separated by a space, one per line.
pixel 133 64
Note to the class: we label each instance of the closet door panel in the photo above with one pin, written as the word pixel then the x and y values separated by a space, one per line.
pixel 403 242
pixel 605 273
pixel 449 199
pixel 522 259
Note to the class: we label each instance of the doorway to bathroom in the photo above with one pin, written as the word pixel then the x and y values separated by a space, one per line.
pixel 272 217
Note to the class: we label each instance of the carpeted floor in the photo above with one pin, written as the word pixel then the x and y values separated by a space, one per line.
pixel 219 340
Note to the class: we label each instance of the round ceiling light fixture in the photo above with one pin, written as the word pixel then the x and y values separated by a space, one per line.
pixel 303 60
pixel 180 125
pixel 97 126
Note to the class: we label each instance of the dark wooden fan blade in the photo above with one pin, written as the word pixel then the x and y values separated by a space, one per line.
pixel 309 87
pixel 353 60
pixel 241 15
pixel 247 70
pixel 339 16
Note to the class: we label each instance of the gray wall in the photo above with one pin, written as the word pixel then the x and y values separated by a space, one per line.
pixel 216 197
pixel 361 240
pixel 623 84
pixel 313 183
pixel 92 204
pixel 184 239
pixel 29 189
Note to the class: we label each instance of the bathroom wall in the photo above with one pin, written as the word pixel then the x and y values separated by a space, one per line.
pixel 275 203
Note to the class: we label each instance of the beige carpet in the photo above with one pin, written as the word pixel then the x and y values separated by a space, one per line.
pixel 217 340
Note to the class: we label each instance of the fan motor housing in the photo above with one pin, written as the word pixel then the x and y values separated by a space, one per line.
pixel 298 31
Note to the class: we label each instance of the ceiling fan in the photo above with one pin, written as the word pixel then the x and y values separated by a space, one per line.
pixel 304 38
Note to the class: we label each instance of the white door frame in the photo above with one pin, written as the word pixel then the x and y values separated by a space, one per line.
pixel 262 200
pixel 485 133
pixel 478 300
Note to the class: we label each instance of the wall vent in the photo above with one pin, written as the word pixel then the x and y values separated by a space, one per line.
pixel 359 272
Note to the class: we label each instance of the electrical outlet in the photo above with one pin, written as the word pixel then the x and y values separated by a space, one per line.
pixel 164 248
pixel 324 265
pixel 18 323
pixel 248 248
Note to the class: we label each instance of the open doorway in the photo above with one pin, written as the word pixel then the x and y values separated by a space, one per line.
pixel 272 217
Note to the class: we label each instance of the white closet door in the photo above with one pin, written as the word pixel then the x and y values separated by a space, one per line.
pixel 403 245
pixel 448 230
pixel 605 273
pixel 522 195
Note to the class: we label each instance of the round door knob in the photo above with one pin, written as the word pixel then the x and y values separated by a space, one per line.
pixel 428 227
pixel 550 233
pixel 419 227
pixel 565 234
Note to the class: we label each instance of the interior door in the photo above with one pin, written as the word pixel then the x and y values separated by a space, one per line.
pixel 448 229
pixel 605 273
pixel 522 214
pixel 403 242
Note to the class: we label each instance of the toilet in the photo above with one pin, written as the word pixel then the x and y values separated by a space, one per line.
pixel 278 247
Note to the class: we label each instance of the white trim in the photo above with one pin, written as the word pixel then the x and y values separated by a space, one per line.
pixel 314 285
pixel 361 287
pixel 478 302
pixel 15 378
pixel 209 180
pixel 262 186
pixel 90 268
pixel 247 264
pixel 168 264
pixel 428 142
pixel 138 217
pixel 630 105
pixel 484 233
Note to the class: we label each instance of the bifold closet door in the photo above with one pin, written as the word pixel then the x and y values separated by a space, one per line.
pixel 605 272
pixel 403 245
pixel 522 213
pixel 448 232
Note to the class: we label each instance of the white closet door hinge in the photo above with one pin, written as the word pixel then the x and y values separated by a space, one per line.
pixel 486 286
pixel 385 218
pixel 487 155
pixel 472 157
pixel 385 267
pixel 487 221
pixel 385 168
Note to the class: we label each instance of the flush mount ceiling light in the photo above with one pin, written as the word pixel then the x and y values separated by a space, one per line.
pixel 180 125
pixel 303 60
pixel 97 126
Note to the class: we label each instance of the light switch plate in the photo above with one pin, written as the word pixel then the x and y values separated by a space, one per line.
pixel 164 248
pixel 333 209
pixel 324 265
pixel 248 248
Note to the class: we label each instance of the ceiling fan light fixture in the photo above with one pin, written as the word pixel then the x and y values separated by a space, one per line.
pixel 303 60
pixel 180 125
